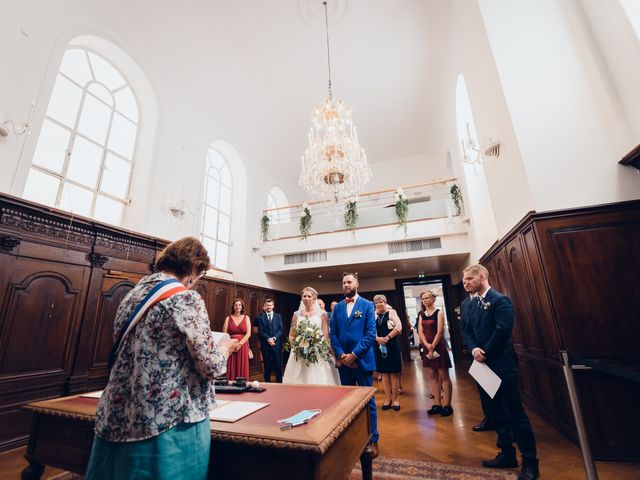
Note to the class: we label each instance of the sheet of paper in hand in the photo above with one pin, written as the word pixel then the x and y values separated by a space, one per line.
pixel 220 337
pixel 488 380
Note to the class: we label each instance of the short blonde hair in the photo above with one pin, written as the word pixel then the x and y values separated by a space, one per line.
pixel 477 269
pixel 379 297
pixel 313 291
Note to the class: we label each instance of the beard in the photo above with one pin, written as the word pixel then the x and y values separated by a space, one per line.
pixel 349 293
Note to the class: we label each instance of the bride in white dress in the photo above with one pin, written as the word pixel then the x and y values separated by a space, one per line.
pixel 322 372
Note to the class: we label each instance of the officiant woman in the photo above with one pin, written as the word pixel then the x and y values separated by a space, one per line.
pixel 152 419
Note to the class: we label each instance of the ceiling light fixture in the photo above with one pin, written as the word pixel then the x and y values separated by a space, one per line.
pixel 334 164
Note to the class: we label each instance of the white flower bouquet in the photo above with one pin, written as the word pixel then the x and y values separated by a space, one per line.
pixel 309 344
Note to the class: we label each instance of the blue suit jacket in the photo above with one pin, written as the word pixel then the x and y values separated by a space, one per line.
pixel 356 333
pixel 490 329
pixel 268 330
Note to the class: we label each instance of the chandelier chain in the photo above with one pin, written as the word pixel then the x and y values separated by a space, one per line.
pixel 326 24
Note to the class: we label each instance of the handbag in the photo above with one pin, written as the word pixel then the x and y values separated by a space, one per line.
pixel 250 354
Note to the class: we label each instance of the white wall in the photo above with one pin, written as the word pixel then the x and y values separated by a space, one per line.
pixel 565 110
pixel 468 53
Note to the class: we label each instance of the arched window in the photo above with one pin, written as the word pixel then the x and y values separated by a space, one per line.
pixel 277 199
pixel 84 156
pixel 216 210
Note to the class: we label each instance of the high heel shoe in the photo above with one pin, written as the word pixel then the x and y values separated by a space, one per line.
pixel 396 407
pixel 386 406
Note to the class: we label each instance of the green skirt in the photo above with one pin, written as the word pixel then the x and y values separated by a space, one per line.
pixel 181 453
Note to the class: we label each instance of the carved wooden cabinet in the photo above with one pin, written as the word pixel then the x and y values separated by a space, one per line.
pixel 61 281
pixel 573 278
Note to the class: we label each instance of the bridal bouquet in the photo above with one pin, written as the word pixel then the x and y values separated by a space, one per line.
pixel 309 344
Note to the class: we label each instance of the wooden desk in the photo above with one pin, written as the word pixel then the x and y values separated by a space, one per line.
pixel 253 447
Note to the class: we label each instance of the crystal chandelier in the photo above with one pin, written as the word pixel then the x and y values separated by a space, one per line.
pixel 334 164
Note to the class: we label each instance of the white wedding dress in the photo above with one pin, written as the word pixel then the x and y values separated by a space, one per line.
pixel 321 373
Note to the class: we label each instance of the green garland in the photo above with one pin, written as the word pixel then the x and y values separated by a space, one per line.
pixel 305 221
pixel 456 198
pixel 402 209
pixel 264 226
pixel 350 214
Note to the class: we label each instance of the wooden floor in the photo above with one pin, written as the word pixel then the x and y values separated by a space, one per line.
pixel 411 434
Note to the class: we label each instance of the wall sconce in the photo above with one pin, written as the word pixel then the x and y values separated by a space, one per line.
pixel 178 209
pixel 474 154
pixel 18 130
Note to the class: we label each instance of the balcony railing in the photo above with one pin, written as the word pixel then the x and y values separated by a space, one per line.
pixel 427 201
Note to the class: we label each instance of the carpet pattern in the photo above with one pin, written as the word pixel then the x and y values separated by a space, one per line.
pixel 385 468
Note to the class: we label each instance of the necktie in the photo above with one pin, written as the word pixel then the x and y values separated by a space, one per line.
pixel 269 317
pixel 350 300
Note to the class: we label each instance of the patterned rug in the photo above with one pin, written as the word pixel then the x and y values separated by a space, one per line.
pixel 386 468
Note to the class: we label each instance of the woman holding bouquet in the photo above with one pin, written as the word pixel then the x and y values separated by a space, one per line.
pixel 310 361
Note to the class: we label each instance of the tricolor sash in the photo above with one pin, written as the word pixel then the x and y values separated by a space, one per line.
pixel 161 291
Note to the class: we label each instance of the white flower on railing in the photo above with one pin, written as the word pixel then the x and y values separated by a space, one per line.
pixel 399 195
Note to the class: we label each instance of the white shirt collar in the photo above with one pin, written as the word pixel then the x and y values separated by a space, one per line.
pixel 483 295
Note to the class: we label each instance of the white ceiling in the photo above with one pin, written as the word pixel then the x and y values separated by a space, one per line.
pixel 259 67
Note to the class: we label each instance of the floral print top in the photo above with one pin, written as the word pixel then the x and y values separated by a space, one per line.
pixel 163 374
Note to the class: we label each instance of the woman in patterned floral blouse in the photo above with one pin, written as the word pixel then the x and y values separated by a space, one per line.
pixel 152 420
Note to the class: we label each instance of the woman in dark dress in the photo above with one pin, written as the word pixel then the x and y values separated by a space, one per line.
pixel 238 326
pixel 435 357
pixel 387 351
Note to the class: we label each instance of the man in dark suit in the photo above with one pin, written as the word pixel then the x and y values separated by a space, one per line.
pixel 487 334
pixel 353 333
pixel 487 422
pixel 270 329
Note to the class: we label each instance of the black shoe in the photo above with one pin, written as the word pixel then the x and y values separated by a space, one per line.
pixel 446 411
pixel 434 410
pixel 386 406
pixel 529 472
pixel 501 461
pixel 396 407
pixel 484 426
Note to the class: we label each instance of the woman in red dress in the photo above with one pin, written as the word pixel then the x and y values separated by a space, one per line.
pixel 238 326
pixel 431 331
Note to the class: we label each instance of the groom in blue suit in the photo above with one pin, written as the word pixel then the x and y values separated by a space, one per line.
pixel 353 332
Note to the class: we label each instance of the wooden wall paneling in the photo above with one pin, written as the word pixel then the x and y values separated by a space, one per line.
pixel 524 298
pixel 545 320
pixel 592 266
pixel 610 411
pixel 222 295
pixel 112 292
pixel 39 320
pixel 254 306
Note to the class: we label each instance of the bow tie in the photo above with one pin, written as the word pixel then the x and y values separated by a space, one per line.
pixel 350 300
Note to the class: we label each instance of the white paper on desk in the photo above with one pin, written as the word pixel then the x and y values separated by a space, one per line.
pixel 488 380
pixel 220 338
pixel 97 394
pixel 233 411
